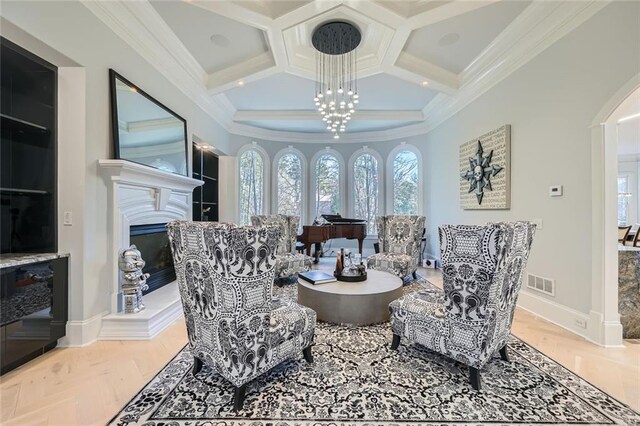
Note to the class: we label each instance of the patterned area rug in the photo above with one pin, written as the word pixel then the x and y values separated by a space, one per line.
pixel 357 379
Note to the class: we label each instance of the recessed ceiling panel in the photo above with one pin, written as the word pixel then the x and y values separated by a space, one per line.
pixel 289 92
pixel 383 91
pixel 278 92
pixel 454 43
pixel 214 41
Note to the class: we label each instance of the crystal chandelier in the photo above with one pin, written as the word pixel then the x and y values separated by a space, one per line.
pixel 336 93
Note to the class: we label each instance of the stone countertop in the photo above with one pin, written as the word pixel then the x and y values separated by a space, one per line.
pixel 17 259
pixel 629 292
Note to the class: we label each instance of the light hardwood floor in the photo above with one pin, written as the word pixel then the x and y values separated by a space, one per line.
pixel 87 386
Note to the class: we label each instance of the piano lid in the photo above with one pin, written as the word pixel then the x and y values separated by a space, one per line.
pixel 337 219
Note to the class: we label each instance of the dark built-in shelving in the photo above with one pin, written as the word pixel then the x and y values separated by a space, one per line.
pixel 33 278
pixel 27 152
pixel 205 197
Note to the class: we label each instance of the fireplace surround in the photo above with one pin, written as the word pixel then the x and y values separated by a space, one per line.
pixel 139 195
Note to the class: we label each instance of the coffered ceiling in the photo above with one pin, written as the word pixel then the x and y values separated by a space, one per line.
pixel 251 64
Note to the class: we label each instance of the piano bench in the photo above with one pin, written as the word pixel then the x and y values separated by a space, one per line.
pixel 299 247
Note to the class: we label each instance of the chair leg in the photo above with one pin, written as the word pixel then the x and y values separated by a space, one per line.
pixel 197 365
pixel 474 376
pixel 395 343
pixel 504 354
pixel 238 397
pixel 308 356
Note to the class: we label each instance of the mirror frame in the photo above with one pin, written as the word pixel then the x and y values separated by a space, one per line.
pixel 115 130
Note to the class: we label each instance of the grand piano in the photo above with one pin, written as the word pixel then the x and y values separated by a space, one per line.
pixel 336 226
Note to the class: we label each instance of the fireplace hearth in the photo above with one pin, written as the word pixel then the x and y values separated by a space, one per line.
pixel 153 243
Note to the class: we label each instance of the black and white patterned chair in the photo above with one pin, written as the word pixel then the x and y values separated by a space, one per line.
pixel 289 262
pixel 471 319
pixel 225 277
pixel 399 240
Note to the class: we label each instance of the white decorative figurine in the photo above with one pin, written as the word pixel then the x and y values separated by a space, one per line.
pixel 134 282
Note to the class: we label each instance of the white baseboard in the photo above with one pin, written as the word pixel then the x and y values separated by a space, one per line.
pixel 607 333
pixel 82 333
pixel 558 314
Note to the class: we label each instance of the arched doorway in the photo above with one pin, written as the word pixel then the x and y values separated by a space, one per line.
pixel 604 325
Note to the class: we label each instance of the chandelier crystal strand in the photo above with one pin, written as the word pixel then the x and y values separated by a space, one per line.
pixel 336 92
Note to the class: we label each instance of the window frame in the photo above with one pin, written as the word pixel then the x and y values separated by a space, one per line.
pixel 266 180
pixel 341 185
pixel 304 197
pixel 403 146
pixel 381 181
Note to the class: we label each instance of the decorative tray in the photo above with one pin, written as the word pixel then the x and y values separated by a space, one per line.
pixel 351 278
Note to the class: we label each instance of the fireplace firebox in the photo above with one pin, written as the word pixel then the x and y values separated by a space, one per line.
pixel 153 243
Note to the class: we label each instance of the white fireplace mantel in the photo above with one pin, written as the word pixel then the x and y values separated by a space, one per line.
pixel 141 195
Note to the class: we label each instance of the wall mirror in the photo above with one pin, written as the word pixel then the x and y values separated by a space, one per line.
pixel 144 130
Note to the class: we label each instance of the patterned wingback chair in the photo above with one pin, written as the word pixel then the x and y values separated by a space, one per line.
pixel 225 278
pixel 482 268
pixel 399 239
pixel 288 261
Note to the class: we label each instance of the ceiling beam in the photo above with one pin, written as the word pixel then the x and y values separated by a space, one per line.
pixel 297 115
pixel 236 12
pixel 417 71
pixel 444 12
pixel 251 70
pixel 304 13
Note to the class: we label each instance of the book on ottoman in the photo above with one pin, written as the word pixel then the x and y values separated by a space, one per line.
pixel 317 277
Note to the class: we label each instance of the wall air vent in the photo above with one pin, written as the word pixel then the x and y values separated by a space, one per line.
pixel 541 284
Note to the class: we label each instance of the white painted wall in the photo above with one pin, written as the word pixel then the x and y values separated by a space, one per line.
pixel 68 34
pixel 550 103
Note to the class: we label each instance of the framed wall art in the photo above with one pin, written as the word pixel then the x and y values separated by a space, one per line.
pixel 485 171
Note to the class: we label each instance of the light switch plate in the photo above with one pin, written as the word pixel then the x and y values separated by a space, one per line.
pixel 555 191
pixel 68 219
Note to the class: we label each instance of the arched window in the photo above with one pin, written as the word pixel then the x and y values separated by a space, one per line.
pixel 252 185
pixel 289 184
pixel 327 185
pixel 405 182
pixel 366 191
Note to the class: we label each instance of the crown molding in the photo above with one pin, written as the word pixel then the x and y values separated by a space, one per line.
pixel 163 33
pixel 129 21
pixel 539 26
pixel 536 28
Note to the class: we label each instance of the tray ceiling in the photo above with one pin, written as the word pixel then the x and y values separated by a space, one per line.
pixel 250 63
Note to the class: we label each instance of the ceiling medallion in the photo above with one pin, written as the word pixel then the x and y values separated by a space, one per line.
pixel 336 93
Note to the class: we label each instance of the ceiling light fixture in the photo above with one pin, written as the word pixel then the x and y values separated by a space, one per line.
pixel 336 72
